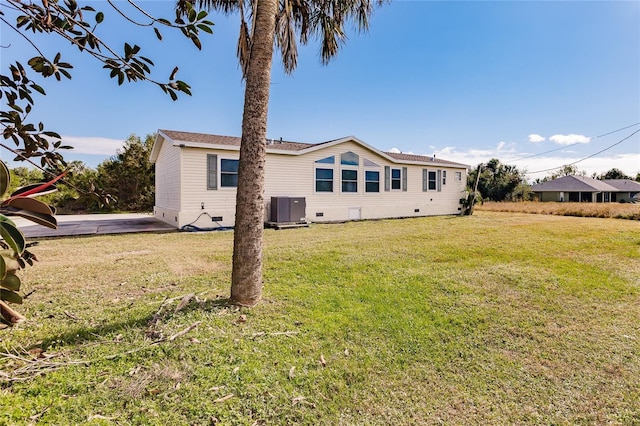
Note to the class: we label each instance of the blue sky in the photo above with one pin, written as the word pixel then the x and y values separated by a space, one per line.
pixel 466 81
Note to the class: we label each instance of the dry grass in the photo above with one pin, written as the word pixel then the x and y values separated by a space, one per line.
pixel 601 210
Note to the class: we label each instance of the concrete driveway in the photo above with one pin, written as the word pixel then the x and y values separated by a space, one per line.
pixel 94 224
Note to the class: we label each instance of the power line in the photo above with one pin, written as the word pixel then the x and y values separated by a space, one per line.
pixel 576 143
pixel 615 131
pixel 590 156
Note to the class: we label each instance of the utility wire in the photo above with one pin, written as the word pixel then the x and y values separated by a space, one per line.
pixel 615 131
pixel 592 155
pixel 575 143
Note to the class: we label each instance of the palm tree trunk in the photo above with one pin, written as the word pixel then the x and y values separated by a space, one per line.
pixel 246 276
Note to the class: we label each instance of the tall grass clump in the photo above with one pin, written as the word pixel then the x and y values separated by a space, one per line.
pixel 601 210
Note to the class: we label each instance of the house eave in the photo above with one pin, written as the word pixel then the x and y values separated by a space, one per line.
pixel 271 149
pixel 155 149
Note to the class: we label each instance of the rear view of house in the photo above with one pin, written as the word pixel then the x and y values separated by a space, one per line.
pixel 338 180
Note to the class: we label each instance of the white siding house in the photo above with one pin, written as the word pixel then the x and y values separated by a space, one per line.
pixel 343 179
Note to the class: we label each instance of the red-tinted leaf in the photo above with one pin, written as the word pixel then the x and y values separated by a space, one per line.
pixel 41 187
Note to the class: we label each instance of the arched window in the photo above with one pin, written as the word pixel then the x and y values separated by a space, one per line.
pixel 349 159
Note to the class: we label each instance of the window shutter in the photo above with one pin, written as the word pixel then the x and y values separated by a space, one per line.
pixel 212 171
pixel 439 180
pixel 425 180
pixel 387 178
pixel 404 178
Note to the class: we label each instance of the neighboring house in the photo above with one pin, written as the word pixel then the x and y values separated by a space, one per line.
pixel 584 189
pixel 342 179
pixel 627 190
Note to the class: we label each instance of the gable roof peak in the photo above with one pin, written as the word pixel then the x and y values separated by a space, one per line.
pixel 203 140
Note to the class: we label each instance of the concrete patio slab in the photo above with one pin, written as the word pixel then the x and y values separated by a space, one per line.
pixel 94 224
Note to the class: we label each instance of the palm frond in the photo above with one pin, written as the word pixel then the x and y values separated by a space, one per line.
pixel 324 20
pixel 285 35
pixel 225 6
pixel 244 46
pixel 363 10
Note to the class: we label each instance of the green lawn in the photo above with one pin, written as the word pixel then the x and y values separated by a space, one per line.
pixel 495 318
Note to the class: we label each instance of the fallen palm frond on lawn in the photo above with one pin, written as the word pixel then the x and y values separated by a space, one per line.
pixel 24 365
pixel 27 364
pixel 30 364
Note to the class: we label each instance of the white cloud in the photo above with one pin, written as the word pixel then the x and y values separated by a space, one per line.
pixel 471 157
pixel 395 150
pixel 569 139
pixel 446 150
pixel 535 138
pixel 500 145
pixel 92 145
pixel 629 163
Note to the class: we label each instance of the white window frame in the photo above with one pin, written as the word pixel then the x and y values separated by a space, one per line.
pixel 366 181
pixel 222 172
pixel 398 179
pixel 343 181
pixel 315 180
pixel 434 180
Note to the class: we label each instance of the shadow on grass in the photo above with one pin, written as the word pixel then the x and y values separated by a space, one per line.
pixel 145 325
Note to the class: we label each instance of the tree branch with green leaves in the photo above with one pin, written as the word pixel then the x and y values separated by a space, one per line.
pixel 77 24
pixel 14 253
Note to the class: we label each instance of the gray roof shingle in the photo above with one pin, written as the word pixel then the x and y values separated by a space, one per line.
pixel 178 136
pixel 573 184
pixel 421 159
pixel 230 140
pixel 623 185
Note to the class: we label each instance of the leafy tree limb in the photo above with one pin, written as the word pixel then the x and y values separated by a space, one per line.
pixel 77 25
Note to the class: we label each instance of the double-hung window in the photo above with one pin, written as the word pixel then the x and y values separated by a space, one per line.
pixel 349 180
pixel 324 180
pixel 228 173
pixel 396 178
pixel 429 180
pixel 432 180
pixel 371 181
